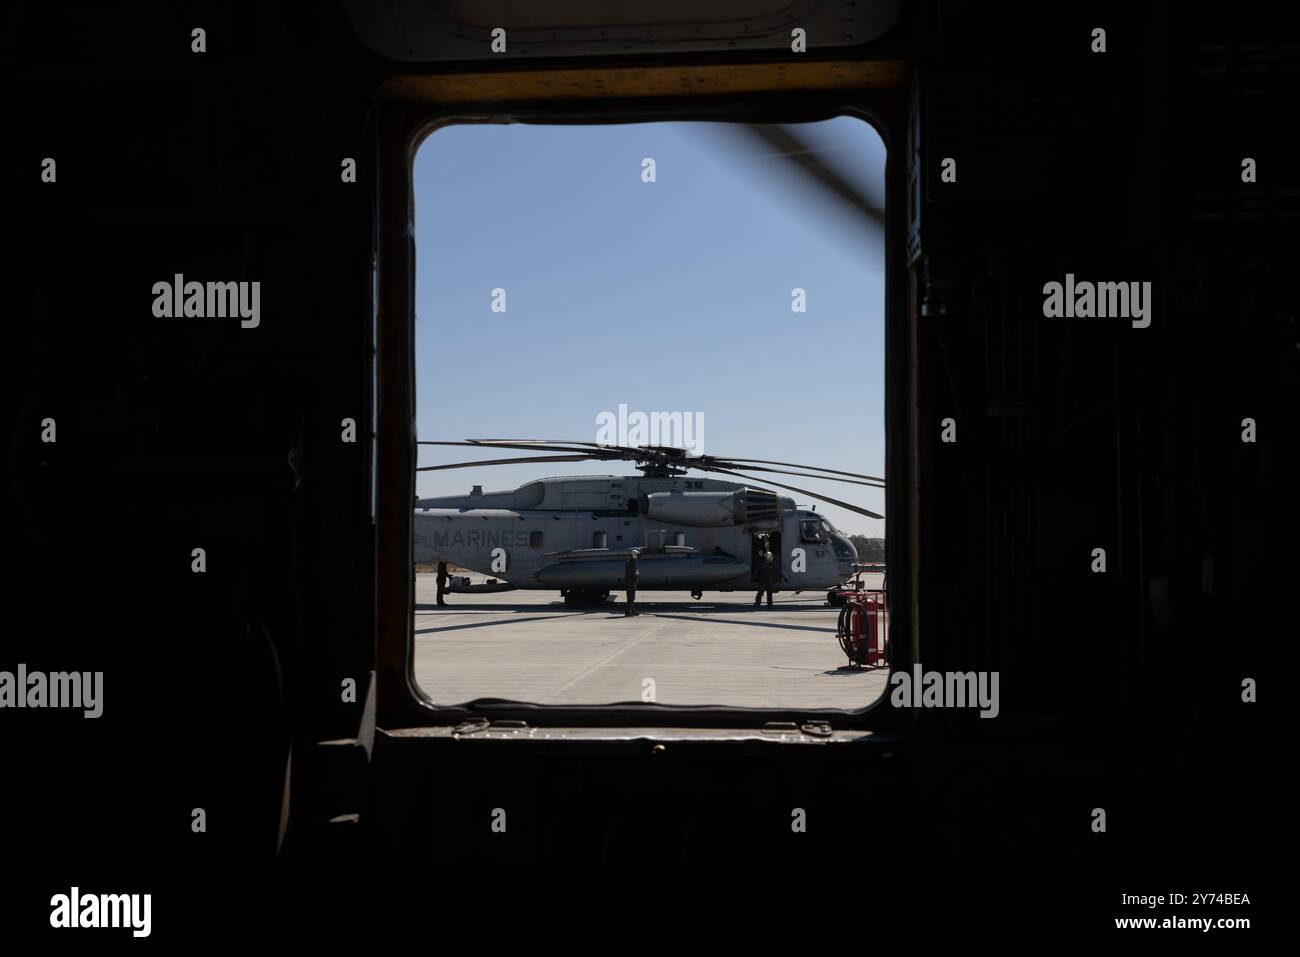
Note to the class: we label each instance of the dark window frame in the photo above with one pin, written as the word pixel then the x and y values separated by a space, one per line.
pixel 402 127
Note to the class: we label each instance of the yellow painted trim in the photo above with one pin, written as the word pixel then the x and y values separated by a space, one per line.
pixel 711 80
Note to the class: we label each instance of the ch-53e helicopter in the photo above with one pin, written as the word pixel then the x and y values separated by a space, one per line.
pixel 574 533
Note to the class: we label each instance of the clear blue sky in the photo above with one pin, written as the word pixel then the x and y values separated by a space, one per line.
pixel 667 296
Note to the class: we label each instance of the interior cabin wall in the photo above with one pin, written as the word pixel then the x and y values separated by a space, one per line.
pixel 1120 690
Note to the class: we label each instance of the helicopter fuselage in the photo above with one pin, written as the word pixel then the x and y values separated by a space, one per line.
pixel 574 534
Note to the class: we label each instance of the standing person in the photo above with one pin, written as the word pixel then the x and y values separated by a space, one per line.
pixel 765 572
pixel 629 580
pixel 442 583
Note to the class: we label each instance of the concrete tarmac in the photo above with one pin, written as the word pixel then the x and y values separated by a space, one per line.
pixel 527 646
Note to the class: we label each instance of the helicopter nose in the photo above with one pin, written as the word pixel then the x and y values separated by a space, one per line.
pixel 845 551
pixel 843 546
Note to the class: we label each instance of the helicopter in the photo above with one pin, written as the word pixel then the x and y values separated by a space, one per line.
pixel 574 533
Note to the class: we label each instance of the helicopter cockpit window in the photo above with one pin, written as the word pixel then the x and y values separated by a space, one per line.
pixel 812 531
pixel 624 296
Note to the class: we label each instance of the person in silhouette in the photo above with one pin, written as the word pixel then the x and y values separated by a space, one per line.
pixel 765 573
pixel 442 583
pixel 629 580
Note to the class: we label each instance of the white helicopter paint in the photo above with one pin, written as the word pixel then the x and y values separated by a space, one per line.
pixel 574 533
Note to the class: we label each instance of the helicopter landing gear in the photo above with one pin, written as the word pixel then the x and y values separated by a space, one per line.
pixel 584 597
pixel 697 594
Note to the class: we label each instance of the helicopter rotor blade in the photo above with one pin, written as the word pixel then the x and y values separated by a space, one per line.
pixel 544 442
pixel 662 455
pixel 514 461
pixel 794 150
pixel 604 452
pixel 802 491
pixel 827 478
pixel 635 452
pixel 743 464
